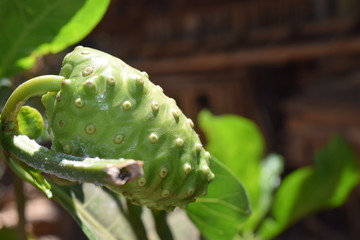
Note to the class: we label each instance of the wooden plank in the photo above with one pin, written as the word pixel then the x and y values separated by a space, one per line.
pixel 242 58
pixel 329 26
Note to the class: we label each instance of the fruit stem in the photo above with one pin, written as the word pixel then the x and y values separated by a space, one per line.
pixel 161 225
pixel 20 205
pixel 134 217
pixel 84 169
pixel 22 93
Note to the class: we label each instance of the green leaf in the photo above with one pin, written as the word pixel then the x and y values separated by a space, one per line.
pixel 101 214
pixel 238 143
pixel 235 141
pixel 310 189
pixel 30 122
pixel 32 28
pixel 221 212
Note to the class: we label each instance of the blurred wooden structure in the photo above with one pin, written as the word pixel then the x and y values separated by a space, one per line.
pixel 291 65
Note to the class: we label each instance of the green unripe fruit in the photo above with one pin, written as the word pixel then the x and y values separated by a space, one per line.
pixel 108 109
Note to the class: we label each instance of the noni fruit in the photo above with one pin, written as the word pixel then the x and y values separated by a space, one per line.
pixel 108 109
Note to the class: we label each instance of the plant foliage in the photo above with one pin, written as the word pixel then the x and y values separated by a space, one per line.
pixel 30 29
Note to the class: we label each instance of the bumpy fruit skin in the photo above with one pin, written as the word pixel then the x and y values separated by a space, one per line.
pixel 108 109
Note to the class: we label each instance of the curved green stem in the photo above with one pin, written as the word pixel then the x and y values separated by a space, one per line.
pixel 34 86
pixel 101 171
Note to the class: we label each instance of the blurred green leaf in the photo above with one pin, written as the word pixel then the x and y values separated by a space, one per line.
pixel 30 122
pixel 221 212
pixel 100 214
pixel 310 189
pixel 8 233
pixel 33 28
pixel 238 143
